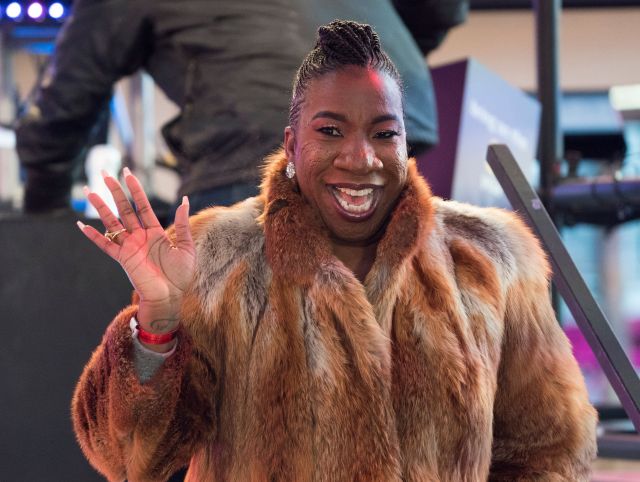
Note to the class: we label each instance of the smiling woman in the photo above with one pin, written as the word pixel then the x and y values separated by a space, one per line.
pixel 343 325
pixel 349 150
pixel 346 139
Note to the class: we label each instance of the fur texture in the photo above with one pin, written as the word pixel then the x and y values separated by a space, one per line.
pixel 446 365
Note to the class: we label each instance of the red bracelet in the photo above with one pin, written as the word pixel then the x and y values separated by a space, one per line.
pixel 152 339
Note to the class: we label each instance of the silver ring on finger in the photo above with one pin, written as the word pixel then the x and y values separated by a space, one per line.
pixel 113 235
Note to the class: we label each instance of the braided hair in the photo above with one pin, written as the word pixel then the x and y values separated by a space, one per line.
pixel 339 44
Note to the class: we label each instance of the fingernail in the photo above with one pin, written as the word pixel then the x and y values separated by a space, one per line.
pixel 104 173
pixel 126 171
pixel 81 225
pixel 86 190
pixel 185 200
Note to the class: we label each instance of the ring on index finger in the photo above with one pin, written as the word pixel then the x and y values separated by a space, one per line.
pixel 113 235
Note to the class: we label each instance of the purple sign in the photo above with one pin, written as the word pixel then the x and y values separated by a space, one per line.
pixel 477 108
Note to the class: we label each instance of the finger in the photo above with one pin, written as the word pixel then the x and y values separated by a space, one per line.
pixel 125 209
pixel 183 231
pixel 109 220
pixel 99 240
pixel 143 207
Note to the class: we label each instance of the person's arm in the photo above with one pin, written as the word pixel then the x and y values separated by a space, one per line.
pixel 430 20
pixel 102 42
pixel 137 425
pixel 544 425
pixel 143 431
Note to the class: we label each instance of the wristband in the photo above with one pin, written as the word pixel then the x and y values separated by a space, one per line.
pixel 153 339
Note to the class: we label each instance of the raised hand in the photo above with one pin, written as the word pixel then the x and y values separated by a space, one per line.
pixel 159 270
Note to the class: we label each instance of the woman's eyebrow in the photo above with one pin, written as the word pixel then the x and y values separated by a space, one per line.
pixel 342 118
pixel 384 118
pixel 330 115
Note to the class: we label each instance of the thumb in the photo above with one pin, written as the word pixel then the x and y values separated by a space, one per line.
pixel 183 231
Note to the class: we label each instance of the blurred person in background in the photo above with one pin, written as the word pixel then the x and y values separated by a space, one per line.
pixel 227 65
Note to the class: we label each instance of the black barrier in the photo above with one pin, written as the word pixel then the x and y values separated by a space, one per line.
pixel 58 293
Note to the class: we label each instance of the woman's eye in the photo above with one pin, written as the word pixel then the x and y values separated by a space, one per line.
pixel 386 134
pixel 332 131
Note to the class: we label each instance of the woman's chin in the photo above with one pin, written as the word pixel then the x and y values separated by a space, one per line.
pixel 362 232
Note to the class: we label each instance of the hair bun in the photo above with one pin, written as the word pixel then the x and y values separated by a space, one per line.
pixel 339 44
pixel 346 40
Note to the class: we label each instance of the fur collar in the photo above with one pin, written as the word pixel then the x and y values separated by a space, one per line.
pixel 297 243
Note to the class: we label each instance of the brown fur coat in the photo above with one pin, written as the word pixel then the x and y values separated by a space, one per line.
pixel 446 365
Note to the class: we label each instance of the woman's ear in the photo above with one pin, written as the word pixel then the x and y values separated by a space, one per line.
pixel 289 142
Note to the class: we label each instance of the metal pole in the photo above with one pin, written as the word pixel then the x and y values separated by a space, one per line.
pixel 551 148
pixel 551 143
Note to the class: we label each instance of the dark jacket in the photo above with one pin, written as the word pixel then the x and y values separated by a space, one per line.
pixel 227 64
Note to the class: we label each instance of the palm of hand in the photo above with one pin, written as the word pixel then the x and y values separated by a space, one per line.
pixel 159 270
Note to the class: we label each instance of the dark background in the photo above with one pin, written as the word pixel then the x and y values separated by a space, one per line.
pixel 58 293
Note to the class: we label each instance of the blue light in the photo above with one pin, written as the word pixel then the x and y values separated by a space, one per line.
pixel 13 10
pixel 56 10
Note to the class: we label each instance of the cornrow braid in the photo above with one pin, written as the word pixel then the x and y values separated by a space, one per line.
pixel 339 44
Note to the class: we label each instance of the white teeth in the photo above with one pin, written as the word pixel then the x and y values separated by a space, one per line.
pixel 355 208
pixel 353 192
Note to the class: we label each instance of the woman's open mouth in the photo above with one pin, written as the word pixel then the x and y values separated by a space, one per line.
pixel 355 202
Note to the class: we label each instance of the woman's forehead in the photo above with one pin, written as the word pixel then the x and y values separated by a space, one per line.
pixel 351 88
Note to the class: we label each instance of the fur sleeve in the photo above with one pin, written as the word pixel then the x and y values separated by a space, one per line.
pixel 544 425
pixel 135 431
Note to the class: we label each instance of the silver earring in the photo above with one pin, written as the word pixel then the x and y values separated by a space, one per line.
pixel 291 170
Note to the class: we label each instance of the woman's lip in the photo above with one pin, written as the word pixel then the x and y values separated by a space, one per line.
pixel 349 216
pixel 354 186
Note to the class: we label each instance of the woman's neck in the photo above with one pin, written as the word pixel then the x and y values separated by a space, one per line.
pixel 358 259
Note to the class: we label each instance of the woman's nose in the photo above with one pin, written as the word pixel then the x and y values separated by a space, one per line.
pixel 358 156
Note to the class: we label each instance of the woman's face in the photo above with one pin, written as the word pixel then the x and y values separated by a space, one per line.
pixel 349 150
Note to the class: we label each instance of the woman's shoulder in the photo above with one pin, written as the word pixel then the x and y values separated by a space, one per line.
pixel 228 226
pixel 484 223
pixel 221 233
pixel 233 219
pixel 500 233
